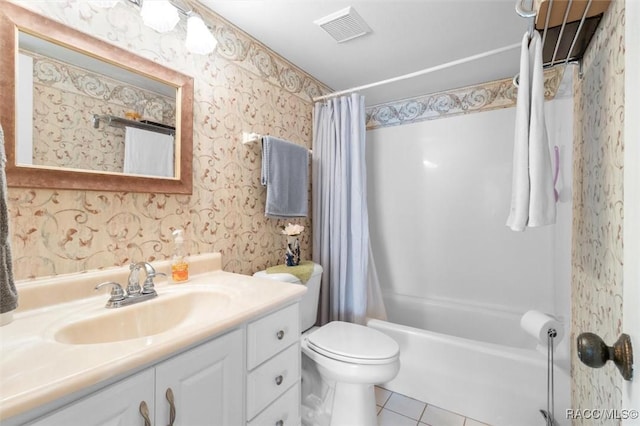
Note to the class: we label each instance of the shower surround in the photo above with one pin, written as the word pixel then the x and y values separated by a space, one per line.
pixel 596 232
pixel 454 277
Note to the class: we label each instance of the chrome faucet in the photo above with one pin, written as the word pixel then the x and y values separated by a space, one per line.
pixel 134 293
pixel 148 288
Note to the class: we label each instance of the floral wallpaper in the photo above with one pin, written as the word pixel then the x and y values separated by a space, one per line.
pixel 242 86
pixel 66 97
pixel 598 211
pixel 481 97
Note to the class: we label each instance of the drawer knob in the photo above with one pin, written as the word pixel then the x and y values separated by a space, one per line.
pixel 279 423
pixel 280 334
pixel 279 380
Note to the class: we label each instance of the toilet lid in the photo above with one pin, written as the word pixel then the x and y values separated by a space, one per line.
pixel 355 343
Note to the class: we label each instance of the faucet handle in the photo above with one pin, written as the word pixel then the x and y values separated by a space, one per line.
pixel 148 268
pixel 117 293
pixel 149 286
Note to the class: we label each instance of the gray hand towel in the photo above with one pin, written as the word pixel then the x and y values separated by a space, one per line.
pixel 8 293
pixel 285 172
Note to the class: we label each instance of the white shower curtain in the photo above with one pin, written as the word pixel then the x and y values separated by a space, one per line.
pixel 350 290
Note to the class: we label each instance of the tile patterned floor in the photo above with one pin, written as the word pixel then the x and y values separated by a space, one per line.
pixel 395 409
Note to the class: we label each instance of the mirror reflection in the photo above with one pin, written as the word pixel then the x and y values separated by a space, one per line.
pixel 78 112
pixel 74 101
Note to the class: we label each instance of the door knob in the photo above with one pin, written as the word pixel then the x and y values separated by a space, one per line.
pixel 594 353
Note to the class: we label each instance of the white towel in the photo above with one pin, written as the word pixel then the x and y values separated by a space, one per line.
pixel 519 213
pixel 542 204
pixel 532 200
pixel 148 153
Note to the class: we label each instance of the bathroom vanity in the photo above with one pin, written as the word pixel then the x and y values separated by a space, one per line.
pixel 224 350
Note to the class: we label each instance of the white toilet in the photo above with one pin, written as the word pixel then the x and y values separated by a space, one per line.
pixel 349 358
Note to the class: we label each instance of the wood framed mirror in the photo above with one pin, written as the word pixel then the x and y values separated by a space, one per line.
pixel 82 144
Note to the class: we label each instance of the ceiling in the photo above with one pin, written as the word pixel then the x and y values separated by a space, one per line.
pixel 407 36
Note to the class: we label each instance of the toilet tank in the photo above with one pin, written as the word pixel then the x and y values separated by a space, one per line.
pixel 309 302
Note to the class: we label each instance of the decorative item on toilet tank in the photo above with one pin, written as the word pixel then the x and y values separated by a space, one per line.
pixel 292 255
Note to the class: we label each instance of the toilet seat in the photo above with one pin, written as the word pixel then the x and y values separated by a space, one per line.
pixel 353 343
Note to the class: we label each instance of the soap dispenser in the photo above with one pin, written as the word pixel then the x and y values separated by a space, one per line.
pixel 179 263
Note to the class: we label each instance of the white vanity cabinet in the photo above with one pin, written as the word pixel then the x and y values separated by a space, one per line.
pixel 118 404
pixel 205 383
pixel 273 365
pixel 248 376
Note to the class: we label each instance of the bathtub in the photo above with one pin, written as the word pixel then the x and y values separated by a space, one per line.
pixel 473 360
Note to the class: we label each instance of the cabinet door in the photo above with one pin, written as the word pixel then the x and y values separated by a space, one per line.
pixel 115 405
pixel 206 384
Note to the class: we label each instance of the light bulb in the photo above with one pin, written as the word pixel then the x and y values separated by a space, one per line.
pixel 160 15
pixel 199 38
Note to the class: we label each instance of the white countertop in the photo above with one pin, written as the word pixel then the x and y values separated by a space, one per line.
pixel 35 369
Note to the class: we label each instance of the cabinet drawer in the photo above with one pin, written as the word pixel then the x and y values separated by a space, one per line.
pixel 271 334
pixel 285 411
pixel 272 378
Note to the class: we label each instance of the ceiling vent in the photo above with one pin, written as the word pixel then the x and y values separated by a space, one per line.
pixel 344 25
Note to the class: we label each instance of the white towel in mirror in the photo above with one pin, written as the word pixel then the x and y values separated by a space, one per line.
pixel 148 153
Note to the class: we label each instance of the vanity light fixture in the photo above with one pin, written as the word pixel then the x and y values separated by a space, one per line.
pixel 164 15
pixel 160 15
pixel 199 38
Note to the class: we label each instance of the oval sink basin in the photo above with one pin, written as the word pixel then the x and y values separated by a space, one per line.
pixel 143 319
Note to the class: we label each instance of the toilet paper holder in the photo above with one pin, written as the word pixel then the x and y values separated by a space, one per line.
pixel 594 353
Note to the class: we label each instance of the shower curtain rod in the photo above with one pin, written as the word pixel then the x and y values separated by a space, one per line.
pixel 419 73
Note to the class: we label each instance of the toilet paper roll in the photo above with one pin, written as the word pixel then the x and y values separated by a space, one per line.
pixel 537 324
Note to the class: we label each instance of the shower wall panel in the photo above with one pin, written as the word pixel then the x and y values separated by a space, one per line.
pixel 439 194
